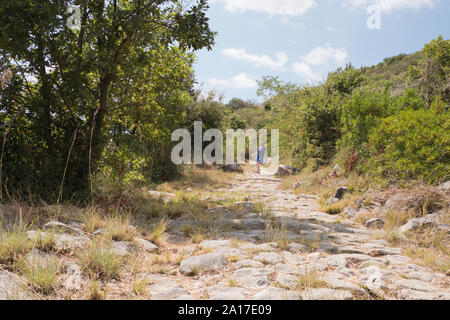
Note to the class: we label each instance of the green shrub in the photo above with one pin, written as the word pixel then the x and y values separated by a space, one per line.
pixel 411 100
pixel 360 113
pixel 415 144
pixel 315 122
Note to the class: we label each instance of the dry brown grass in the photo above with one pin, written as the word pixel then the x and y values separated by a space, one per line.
pixel 199 179
pixel 337 207
pixel 310 279
pixel 364 217
pixel 148 208
pixel 158 230
pixel 120 228
pixel 14 243
pixel 98 260
pixel 96 291
pixel 318 183
pixel 139 286
pixel 92 220
pixel 41 275
pixel 429 257
pixel 429 246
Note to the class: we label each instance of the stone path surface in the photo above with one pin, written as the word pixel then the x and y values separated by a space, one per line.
pixel 293 251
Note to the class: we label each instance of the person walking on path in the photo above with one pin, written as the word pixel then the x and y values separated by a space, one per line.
pixel 260 158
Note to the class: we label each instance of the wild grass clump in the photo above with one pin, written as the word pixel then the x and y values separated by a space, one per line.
pixel 158 230
pixel 199 179
pixel 95 292
pixel 430 257
pixel 41 274
pixel 336 208
pixel 396 219
pixel 276 233
pixel 98 260
pixel 120 228
pixel 429 245
pixel 92 220
pixel 13 244
pixel 152 208
pixel 45 241
pixel 309 280
pixel 139 286
pixel 430 238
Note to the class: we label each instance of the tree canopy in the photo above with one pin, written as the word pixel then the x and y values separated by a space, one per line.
pixel 122 80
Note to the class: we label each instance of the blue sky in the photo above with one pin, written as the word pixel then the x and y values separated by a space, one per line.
pixel 301 40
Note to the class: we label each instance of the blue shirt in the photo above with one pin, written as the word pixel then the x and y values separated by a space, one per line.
pixel 261 153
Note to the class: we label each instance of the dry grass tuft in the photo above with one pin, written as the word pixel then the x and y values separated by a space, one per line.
pixel 98 260
pixel 158 230
pixel 42 274
pixel 13 244
pixel 92 220
pixel 337 207
pixel 120 228
pixel 310 279
pixel 199 179
pixel 95 292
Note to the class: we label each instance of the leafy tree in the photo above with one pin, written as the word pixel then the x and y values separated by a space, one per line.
pixel 237 122
pixel 433 71
pixel 72 92
pixel 344 81
pixel 210 110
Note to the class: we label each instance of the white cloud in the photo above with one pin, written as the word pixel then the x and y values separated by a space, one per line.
pixel 240 81
pixel 319 61
pixel 305 70
pixel 258 60
pixel 390 5
pixel 323 55
pixel 271 7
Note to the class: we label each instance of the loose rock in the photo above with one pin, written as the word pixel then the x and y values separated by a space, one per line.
pixel 203 263
pixel 274 293
pixel 326 294
pixel 284 170
pixel 269 258
pixel 232 168
pixel 124 248
pixel 375 223
pixel 146 245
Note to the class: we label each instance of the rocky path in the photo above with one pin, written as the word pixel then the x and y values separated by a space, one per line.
pixel 277 245
pixel 295 252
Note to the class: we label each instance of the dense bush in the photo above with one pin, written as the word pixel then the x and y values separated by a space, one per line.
pixel 318 127
pixel 360 113
pixel 236 104
pixel 415 144
pixel 209 110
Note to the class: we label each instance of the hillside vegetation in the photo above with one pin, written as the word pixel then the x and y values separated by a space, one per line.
pixel 389 122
